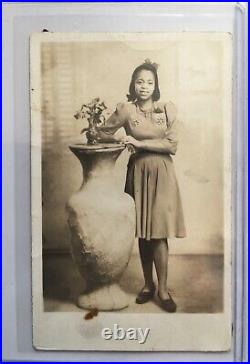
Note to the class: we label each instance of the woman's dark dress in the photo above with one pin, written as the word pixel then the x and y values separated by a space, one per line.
pixel 151 178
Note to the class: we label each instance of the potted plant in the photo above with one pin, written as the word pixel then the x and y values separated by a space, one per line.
pixel 94 113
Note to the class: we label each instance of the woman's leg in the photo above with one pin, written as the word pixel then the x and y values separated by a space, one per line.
pixel 146 254
pixel 160 254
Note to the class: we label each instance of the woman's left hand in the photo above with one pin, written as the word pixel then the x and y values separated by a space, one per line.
pixel 128 139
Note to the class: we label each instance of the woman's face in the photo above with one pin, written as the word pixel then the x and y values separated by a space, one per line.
pixel 144 84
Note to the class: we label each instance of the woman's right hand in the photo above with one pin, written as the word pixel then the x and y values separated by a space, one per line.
pixel 130 147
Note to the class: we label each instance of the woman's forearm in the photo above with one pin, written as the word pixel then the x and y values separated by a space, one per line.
pixel 106 137
pixel 159 145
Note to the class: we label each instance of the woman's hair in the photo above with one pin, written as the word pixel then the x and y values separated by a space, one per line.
pixel 148 67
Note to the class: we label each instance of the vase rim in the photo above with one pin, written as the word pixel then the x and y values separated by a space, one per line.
pixel 99 147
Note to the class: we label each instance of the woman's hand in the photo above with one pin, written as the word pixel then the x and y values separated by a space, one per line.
pixel 129 140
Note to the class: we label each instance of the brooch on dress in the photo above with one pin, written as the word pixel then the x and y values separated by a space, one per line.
pixel 159 119
pixel 135 123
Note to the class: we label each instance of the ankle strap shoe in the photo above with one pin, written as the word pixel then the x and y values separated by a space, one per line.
pixel 145 296
pixel 168 305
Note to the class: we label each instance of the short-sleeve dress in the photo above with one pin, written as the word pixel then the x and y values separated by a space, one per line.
pixel 151 179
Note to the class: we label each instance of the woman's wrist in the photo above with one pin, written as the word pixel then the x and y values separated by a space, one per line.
pixel 141 144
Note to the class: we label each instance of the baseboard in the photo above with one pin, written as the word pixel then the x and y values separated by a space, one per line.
pixel 66 251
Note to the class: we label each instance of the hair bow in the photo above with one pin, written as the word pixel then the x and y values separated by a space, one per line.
pixel 155 65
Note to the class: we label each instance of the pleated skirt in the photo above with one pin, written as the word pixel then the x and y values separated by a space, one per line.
pixel 152 182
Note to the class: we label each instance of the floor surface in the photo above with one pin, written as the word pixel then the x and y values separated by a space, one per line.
pixel 195 281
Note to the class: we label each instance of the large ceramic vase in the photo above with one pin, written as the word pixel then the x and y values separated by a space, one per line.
pixel 101 219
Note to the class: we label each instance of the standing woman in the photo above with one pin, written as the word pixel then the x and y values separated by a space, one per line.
pixel 150 128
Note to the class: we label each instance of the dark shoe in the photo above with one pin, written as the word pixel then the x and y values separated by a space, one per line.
pixel 145 296
pixel 168 305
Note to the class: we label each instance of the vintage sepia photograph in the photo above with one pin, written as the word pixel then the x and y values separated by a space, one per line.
pixel 131 191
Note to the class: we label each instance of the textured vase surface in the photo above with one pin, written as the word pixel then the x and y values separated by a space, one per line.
pixel 101 219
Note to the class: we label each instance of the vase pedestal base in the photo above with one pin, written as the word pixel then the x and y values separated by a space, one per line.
pixel 107 298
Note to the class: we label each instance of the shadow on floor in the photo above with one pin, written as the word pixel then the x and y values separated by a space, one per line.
pixel 195 281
